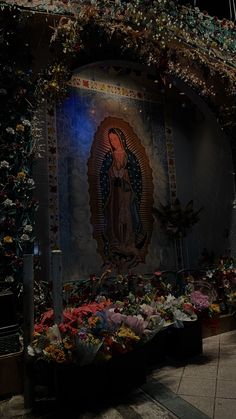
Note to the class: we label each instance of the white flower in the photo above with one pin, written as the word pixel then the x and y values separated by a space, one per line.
pixel 25 237
pixel 170 298
pixel 8 203
pixel 10 130
pixel 9 279
pixel 26 122
pixel 5 164
pixel 54 335
pixel 28 228
pixel 30 350
pixel 30 182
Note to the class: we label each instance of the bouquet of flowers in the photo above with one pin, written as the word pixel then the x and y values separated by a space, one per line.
pixel 99 327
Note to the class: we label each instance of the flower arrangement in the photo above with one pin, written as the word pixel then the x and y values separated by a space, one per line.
pixel 85 331
pixel 102 329
pixel 213 290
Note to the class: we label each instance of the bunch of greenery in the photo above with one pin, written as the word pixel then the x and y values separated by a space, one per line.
pixel 176 219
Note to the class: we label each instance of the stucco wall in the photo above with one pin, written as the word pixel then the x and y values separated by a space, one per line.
pixel 205 174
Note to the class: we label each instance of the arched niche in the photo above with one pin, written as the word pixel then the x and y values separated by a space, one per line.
pixel 189 155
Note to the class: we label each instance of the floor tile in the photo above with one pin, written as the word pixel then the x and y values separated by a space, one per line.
pixel 211 339
pixel 211 346
pixel 209 359
pixel 168 371
pixel 204 404
pixel 228 350
pixel 227 361
pixel 171 382
pixel 225 409
pixel 211 351
pixel 197 387
pixel 228 338
pixel 226 389
pixel 203 371
pixel 226 372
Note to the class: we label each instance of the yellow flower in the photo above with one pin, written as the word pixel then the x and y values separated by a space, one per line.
pixel 126 332
pixel 215 308
pixel 68 344
pixel 21 175
pixel 92 321
pixel 8 239
pixel 54 85
pixel 20 128
pixel 55 353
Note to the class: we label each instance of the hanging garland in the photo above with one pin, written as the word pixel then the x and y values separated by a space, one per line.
pixel 173 40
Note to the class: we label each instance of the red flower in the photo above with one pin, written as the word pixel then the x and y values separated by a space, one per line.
pixel 47 318
pixel 39 328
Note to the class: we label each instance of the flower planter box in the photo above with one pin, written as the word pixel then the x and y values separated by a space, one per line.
pixel 92 383
pixel 176 343
pixel 186 342
pixel 156 348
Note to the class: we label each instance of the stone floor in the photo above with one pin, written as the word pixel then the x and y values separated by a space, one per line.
pixel 204 387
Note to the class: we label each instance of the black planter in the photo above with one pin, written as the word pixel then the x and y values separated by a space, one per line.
pixel 186 342
pixel 94 383
pixel 156 348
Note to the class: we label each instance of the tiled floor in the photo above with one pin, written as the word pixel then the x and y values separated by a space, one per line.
pixel 209 381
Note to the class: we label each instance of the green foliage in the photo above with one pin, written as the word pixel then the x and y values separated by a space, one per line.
pixel 177 220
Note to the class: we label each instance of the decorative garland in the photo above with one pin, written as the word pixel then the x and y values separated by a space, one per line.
pixel 175 41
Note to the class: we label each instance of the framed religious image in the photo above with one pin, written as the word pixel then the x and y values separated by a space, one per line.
pixel 121 194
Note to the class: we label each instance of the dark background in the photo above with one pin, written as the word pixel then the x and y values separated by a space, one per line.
pixel 219 8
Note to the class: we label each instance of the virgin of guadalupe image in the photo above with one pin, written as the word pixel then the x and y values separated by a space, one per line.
pixel 121 191
pixel 121 195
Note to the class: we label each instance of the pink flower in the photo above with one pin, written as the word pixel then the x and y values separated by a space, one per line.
pixel 115 318
pixel 137 324
pixel 199 300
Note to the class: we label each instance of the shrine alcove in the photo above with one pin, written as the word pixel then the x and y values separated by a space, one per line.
pixel 180 152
